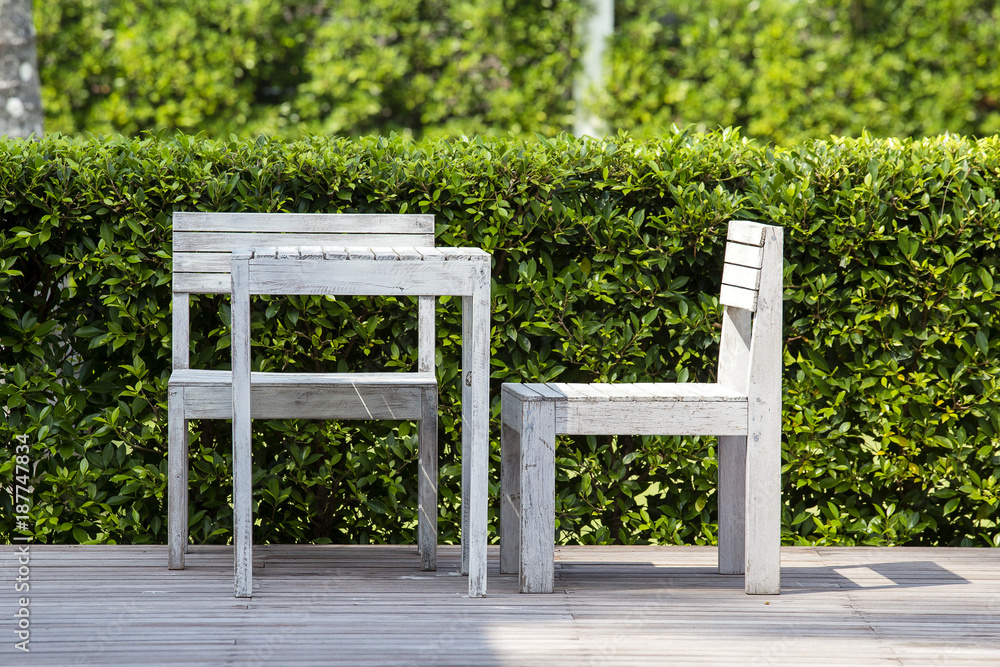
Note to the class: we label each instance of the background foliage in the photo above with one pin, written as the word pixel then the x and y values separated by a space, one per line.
pixel 785 70
pixel 606 261
pixel 306 66
pixel 788 71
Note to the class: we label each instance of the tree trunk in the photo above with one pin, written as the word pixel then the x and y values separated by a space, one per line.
pixel 20 91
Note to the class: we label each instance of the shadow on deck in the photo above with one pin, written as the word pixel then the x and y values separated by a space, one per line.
pixel 371 605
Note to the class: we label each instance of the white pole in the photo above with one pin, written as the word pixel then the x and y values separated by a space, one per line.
pixel 596 26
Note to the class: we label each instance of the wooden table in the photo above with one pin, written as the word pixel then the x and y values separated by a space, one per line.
pixel 423 271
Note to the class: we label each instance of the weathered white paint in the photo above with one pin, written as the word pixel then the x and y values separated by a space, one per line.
pixel 734 368
pixel 180 332
pixel 743 409
pixel 763 486
pixel 307 395
pixel 177 488
pixel 744 231
pixel 222 241
pixel 738 297
pixel 305 223
pixel 744 255
pixel 476 418
pixel 537 502
pixel 242 435
pixel 427 483
pixel 510 480
pixel 203 247
pixel 741 276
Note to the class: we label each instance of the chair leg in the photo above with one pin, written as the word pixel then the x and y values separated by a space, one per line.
pixel 510 488
pixel 177 488
pixel 242 432
pixel 538 496
pixel 464 535
pixel 763 510
pixel 732 503
pixel 242 512
pixel 427 483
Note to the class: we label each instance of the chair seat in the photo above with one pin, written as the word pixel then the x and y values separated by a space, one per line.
pixel 209 395
pixel 642 408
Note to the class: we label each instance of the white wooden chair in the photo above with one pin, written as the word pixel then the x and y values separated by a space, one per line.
pixel 203 244
pixel 743 408
pixel 370 271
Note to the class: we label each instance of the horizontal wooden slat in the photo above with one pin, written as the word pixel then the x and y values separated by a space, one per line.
pixel 361 278
pixel 191 377
pixel 741 276
pixel 335 223
pixel 738 297
pixel 219 262
pixel 652 417
pixel 689 391
pixel 208 395
pixel 201 283
pixel 644 391
pixel 229 241
pixel 202 262
pixel 744 255
pixel 345 277
pixel 522 391
pixel 744 231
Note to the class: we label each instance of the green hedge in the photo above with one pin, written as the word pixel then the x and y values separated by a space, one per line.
pixel 784 70
pixel 789 70
pixel 606 262
pixel 346 67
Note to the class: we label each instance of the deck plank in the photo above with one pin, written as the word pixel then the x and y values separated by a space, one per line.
pixel 635 605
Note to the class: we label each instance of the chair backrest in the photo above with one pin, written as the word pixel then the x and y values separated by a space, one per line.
pixel 203 244
pixel 750 350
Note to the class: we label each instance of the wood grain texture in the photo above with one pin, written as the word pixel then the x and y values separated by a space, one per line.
pixel 652 417
pixel 763 486
pixel 360 278
pixel 743 409
pixel 537 496
pixel 741 276
pixel 744 255
pixel 177 488
pixel 734 349
pixel 738 297
pixel 744 231
pixel 426 334
pixel 512 418
pixel 732 477
pixel 367 605
pixel 217 242
pixel 308 396
pixel 734 368
pixel 427 481
pixel 180 330
pixel 336 223
pixel 350 255
pixel 476 415
pixel 242 434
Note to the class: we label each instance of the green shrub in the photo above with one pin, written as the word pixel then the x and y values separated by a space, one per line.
pixel 291 68
pixel 606 262
pixel 784 70
pixel 790 71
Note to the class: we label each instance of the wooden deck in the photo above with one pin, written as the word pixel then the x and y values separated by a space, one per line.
pixel 371 605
